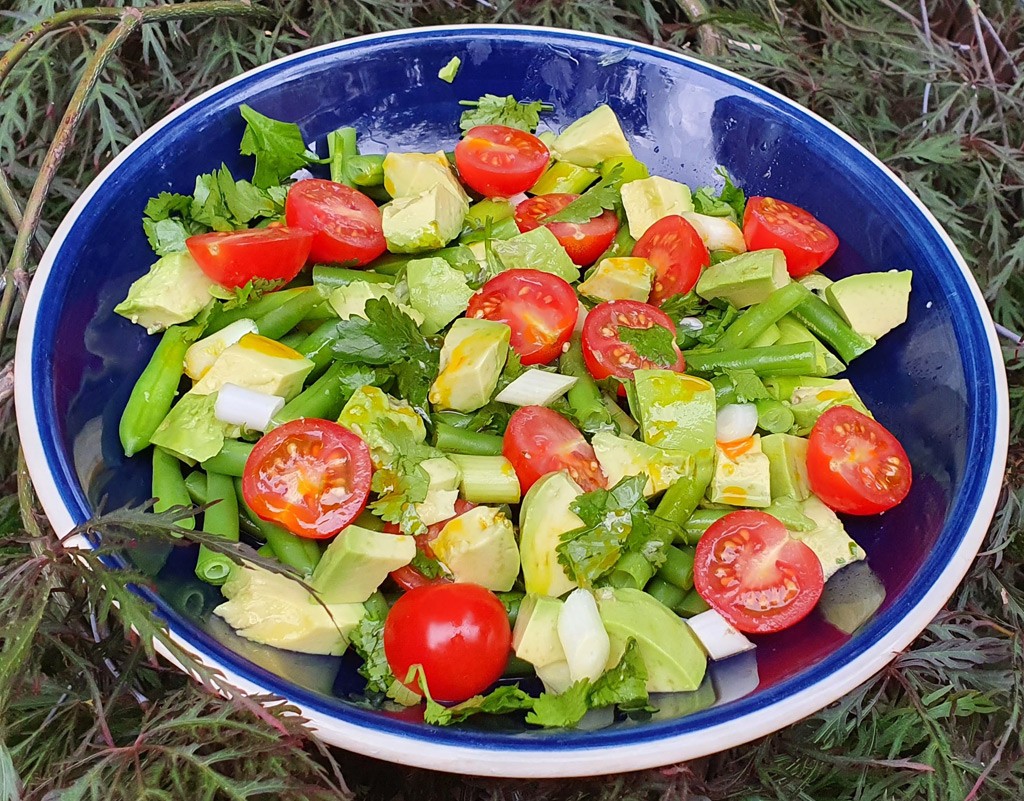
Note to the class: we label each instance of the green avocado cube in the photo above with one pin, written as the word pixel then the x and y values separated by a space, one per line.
pixel 741 478
pixel 746 279
pixel 173 291
pixel 350 300
pixel 437 291
pixel 356 563
pixel 624 456
pixel 191 430
pixel 409 174
pixel 369 406
pixel 563 178
pixel 809 402
pixel 647 200
pixel 829 541
pixel 590 140
pixel 544 517
pixel 472 357
pixel 872 303
pixel 479 547
pixel 619 278
pixel 427 221
pixel 535 636
pixel 536 250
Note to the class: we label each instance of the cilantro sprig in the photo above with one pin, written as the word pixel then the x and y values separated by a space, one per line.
pixel 654 344
pixel 729 202
pixel 606 194
pixel 495 110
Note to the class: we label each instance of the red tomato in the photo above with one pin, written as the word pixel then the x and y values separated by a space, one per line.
pixel 539 441
pixel 806 241
pixel 540 308
pixel 678 254
pixel 346 224
pixel 459 633
pixel 605 352
pixel 234 258
pixel 310 476
pixel 754 574
pixel 498 161
pixel 408 577
pixel 584 242
pixel 855 465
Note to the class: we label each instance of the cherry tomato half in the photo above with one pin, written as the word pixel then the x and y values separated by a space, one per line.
pixel 855 465
pixel 540 308
pixel 498 161
pixel 678 254
pixel 806 241
pixel 346 224
pixel 234 258
pixel 754 574
pixel 459 633
pixel 607 354
pixel 539 441
pixel 310 476
pixel 584 242
pixel 408 577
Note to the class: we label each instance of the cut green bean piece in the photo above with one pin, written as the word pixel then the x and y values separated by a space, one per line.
pixel 299 553
pixel 632 570
pixel 677 568
pixel 256 308
pixel 622 245
pixel 669 594
pixel 801 358
pixel 584 396
pixel 774 416
pixel 231 459
pixel 195 483
pixel 700 521
pixel 825 323
pixel 333 277
pixel 758 319
pixel 457 440
pixel 169 487
pixel 278 322
pixel 323 399
pixel 692 604
pixel 220 520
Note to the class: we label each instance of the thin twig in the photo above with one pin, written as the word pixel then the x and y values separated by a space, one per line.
pixel 10 203
pixel 708 40
pixel 980 36
pixel 926 23
pixel 999 43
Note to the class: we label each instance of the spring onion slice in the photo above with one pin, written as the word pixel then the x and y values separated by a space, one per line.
pixel 536 388
pixel 241 406
pixel 583 636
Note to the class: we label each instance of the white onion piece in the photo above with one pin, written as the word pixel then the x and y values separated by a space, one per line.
pixel 515 200
pixel 692 323
pixel 736 421
pixel 241 406
pixel 717 636
pixel 555 676
pixel 718 233
pixel 583 637
pixel 536 388
pixel 580 319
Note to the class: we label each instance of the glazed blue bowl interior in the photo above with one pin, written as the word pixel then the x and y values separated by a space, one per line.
pixel 930 381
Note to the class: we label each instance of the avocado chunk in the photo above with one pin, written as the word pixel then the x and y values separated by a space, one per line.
pixel 619 278
pixel 472 357
pixel 201 355
pixel 356 563
pixel 746 279
pixel 442 491
pixel 809 402
pixel 742 476
pixel 624 456
pixel 787 457
pixel 275 610
pixel 479 547
pixel 545 516
pixel 535 635
pixel 872 303
pixel 673 656
pixel 259 363
pixel 649 199
pixel 536 250
pixel 829 541
pixel 173 291
pixel 350 300
pixel 367 407
pixel 590 140
pixel 563 178
pixel 409 174
pixel 191 430
pixel 427 221
pixel 437 291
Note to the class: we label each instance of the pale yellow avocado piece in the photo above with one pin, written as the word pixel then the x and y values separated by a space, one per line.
pixel 275 610
pixel 872 303
pixel 442 491
pixel 427 221
pixel 590 140
pixel 201 355
pixel 831 544
pixel 619 278
pixel 535 635
pixel 624 456
pixel 746 279
pixel 258 363
pixel 350 300
pixel 408 174
pixel 472 357
pixel 742 474
pixel 647 200
pixel 173 291
pixel 543 518
pixel 356 563
pixel 368 406
pixel 479 547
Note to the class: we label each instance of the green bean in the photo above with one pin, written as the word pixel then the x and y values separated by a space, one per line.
pixel 365 171
pixel 774 416
pixel 317 346
pixel 584 396
pixel 759 318
pixel 195 483
pixel 297 552
pixel 801 358
pixel 669 594
pixel 725 391
pixel 333 277
pixel 376 605
pixel 188 599
pixel 324 398
pixel 699 522
pixel 516 668
pixel 264 304
pixel 169 487
pixel 482 211
pixel 457 440
pixel 266 551
pixel 622 245
pixel 221 520
pixel 825 323
pixel 392 263
pixel 340 145
pixel 278 322
pixel 511 600
pixel 677 568
pixel 294 338
pixel 154 392
pixel 632 570
pixel 499 229
pixel 692 604
pixel 231 459
pixel 679 500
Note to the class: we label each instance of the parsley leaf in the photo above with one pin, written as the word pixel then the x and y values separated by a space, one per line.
pixel 561 711
pixel 747 385
pixel 624 685
pixel 654 344
pixel 278 147
pixel 689 305
pixel 252 291
pixel 428 566
pixel 501 700
pixel 168 223
pixel 367 638
pixel 402 482
pixel 606 194
pixel 730 202
pixel 495 110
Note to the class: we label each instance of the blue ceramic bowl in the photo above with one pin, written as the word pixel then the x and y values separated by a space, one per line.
pixel 937 381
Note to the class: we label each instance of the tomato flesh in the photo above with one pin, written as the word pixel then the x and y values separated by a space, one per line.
pixel 234 258
pixel 540 308
pixel 807 242
pixel 855 465
pixel 346 224
pixel 754 574
pixel 498 161
pixel 584 242
pixel 606 354
pixel 539 441
pixel 678 254
pixel 458 633
pixel 310 476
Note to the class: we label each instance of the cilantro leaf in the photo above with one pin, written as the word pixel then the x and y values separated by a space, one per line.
pixel 689 305
pixel 730 202
pixel 278 147
pixel 624 685
pixel 747 385
pixel 427 565
pixel 654 344
pixel 367 638
pixel 252 291
pixel 495 110
pixel 168 223
pixel 501 700
pixel 561 711
pixel 402 482
pixel 606 194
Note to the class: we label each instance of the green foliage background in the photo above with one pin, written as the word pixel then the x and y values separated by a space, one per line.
pixel 933 87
